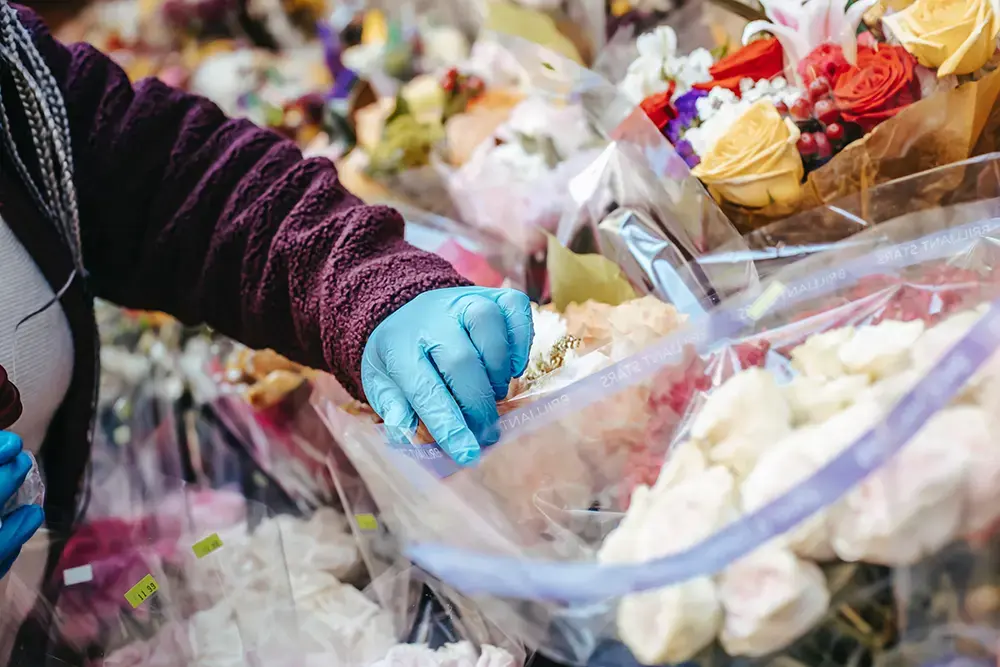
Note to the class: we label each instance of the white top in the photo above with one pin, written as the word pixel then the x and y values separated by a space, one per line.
pixel 44 344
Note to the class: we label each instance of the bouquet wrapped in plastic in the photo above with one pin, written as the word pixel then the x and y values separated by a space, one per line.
pixel 822 99
pixel 631 199
pixel 163 573
pixel 793 476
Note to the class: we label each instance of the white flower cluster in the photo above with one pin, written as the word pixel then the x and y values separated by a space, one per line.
pixel 754 439
pixel 722 107
pixel 778 90
pixel 659 63
pixel 278 594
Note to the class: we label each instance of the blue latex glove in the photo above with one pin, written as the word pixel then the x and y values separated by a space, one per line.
pixel 448 356
pixel 20 525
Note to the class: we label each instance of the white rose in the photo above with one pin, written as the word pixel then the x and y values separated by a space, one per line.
pixel 620 544
pixel 819 355
pixel 770 599
pixel 796 458
pixel 740 419
pixel 880 350
pixel 670 625
pixel 910 508
pixel 815 399
pixel 684 461
pixel 693 508
pixel 972 433
pixel 674 623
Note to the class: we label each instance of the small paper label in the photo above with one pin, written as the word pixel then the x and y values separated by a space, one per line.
pixel 765 301
pixel 206 546
pixel 78 575
pixel 142 591
pixel 366 521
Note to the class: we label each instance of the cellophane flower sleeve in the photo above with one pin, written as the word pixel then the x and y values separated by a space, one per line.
pixel 797 475
pixel 926 195
pixel 634 200
pixel 186 577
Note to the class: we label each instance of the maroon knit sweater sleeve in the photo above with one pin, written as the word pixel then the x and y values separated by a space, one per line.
pixel 215 220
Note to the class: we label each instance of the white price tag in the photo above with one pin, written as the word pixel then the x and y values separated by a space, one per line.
pixel 78 575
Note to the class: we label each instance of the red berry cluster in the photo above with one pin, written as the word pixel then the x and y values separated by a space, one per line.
pixel 456 83
pixel 816 114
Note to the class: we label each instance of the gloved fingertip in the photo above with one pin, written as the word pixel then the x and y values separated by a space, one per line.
pixel 23 522
pixel 462 447
pixel 10 446
pixel 467 457
pixel 490 434
pixel 33 520
pixel 22 464
pixel 500 391
pixel 9 563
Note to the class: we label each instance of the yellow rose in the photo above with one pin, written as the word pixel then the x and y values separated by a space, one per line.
pixel 955 36
pixel 756 161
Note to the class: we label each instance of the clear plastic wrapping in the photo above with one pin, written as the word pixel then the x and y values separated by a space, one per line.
pixel 635 201
pixel 952 190
pixel 760 484
pixel 177 580
pixel 31 491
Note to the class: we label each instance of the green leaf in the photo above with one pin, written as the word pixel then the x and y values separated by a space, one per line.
pixel 576 278
pixel 400 109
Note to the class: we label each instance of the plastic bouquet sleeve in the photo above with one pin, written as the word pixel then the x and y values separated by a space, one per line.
pixel 131 589
pixel 633 200
pixel 955 190
pixel 759 484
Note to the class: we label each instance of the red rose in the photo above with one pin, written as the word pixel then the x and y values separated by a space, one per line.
pixel 760 59
pixel 659 107
pixel 882 83
pixel 827 61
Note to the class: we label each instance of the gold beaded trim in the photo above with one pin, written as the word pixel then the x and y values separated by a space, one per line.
pixel 555 359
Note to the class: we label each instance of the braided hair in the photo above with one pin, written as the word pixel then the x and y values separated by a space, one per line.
pixel 54 193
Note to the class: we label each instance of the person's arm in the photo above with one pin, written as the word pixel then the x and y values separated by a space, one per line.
pixel 214 220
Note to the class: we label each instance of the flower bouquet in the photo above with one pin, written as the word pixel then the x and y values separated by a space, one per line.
pixel 818 103
pixel 798 477
pixel 284 91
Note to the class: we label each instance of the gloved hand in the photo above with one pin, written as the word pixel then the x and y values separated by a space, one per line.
pixel 20 525
pixel 448 356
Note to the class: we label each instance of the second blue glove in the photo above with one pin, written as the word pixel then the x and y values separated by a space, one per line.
pixel 21 524
pixel 447 357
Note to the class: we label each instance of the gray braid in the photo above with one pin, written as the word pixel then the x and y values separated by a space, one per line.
pixel 49 126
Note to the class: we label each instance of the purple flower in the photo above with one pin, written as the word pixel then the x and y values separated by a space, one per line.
pixel 686 151
pixel 343 84
pixel 687 104
pixel 687 112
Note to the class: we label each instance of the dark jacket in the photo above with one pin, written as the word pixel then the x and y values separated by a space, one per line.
pixel 210 219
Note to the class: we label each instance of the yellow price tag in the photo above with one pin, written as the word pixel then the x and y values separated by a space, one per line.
pixel 763 303
pixel 206 546
pixel 143 590
pixel 366 521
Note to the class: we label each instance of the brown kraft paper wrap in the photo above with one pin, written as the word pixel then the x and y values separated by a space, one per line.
pixel 947 127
